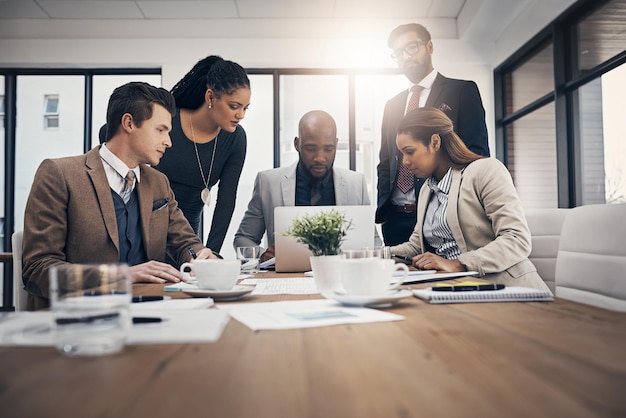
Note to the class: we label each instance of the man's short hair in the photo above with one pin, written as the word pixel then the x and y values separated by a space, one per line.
pixel 138 99
pixel 421 31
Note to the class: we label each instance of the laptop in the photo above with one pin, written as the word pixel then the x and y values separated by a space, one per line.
pixel 293 256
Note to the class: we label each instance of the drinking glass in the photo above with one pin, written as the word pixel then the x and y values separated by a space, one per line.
pixel 378 252
pixel 249 258
pixel 91 308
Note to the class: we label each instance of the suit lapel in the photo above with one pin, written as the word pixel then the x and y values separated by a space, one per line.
pixel 95 170
pixel 146 199
pixel 288 186
pixel 341 189
pixel 435 91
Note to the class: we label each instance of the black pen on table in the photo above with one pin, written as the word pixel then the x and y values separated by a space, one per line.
pixel 401 257
pixel 138 299
pixel 468 288
pixel 105 317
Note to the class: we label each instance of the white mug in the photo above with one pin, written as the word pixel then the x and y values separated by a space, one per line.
pixel 371 276
pixel 214 274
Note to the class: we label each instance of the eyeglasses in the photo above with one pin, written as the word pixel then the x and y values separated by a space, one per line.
pixel 411 49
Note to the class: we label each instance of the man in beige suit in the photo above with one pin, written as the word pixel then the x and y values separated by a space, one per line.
pixel 109 205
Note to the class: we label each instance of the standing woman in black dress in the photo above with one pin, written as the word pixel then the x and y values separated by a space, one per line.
pixel 208 145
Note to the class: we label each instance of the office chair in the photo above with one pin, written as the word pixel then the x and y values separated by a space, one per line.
pixel 591 264
pixel 19 293
pixel 545 231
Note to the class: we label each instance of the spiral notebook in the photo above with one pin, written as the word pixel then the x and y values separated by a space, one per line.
pixel 508 294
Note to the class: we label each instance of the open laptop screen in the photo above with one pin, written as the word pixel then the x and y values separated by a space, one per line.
pixel 293 256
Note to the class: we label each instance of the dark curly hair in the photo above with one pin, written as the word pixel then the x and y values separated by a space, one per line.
pixel 212 72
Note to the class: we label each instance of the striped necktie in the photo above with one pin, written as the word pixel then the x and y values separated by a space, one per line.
pixel 405 179
pixel 129 181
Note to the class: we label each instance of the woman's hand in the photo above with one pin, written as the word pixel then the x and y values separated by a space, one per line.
pixel 430 261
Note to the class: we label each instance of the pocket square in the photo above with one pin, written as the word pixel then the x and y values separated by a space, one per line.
pixel 444 106
pixel 160 204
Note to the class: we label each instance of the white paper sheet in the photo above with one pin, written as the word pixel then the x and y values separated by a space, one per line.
pixel 284 286
pixel 172 304
pixel 423 278
pixel 178 326
pixel 302 314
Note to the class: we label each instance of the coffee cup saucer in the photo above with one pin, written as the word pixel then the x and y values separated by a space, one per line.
pixel 238 291
pixel 385 299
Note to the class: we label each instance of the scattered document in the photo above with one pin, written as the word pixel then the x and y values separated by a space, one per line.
pixel 285 286
pixel 268 263
pixel 176 326
pixel 172 304
pixel 303 314
pixel 423 277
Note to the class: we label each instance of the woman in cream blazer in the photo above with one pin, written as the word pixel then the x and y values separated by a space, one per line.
pixel 483 227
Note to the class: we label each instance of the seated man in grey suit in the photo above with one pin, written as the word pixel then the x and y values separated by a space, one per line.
pixel 311 181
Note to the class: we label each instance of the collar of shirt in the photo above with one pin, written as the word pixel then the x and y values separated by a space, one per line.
pixel 302 173
pixel 426 84
pixel 115 169
pixel 443 186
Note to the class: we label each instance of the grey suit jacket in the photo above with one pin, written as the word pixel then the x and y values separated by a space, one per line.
pixel 277 187
pixel 70 218
pixel 487 222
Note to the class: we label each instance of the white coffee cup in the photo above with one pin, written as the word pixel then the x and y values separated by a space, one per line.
pixel 371 276
pixel 214 274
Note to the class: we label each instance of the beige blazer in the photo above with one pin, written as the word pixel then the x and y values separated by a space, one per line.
pixel 487 222
pixel 70 217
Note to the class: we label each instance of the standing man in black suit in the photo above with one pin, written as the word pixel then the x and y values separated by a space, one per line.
pixel 412 50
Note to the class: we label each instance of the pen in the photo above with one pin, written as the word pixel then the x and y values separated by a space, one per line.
pixel 104 317
pixel 138 299
pixel 401 257
pixel 146 320
pixel 193 253
pixel 468 288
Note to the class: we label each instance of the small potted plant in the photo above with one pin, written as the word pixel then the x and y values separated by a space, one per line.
pixel 323 233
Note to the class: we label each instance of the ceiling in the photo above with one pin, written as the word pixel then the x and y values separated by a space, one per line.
pixel 227 9
pixel 446 19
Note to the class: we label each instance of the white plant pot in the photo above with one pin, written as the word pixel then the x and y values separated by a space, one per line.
pixel 327 273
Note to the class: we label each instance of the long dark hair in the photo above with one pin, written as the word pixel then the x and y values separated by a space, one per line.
pixel 212 72
pixel 424 122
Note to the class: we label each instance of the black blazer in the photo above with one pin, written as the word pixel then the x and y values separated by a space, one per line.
pixel 460 100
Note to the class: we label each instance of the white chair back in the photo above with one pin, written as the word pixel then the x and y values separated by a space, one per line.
pixel 591 265
pixel 19 293
pixel 545 231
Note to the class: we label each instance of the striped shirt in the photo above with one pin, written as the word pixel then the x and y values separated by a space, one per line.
pixel 437 232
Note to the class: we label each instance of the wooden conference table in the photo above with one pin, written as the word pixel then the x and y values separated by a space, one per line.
pixel 558 359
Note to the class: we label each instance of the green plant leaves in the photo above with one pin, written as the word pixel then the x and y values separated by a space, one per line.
pixel 323 232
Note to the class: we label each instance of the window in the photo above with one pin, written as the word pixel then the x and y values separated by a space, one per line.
pixel 51 112
pixel 2 112
pixel 558 126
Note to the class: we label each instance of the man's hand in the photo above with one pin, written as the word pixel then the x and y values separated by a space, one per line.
pixel 155 272
pixel 204 254
pixel 269 253
pixel 430 261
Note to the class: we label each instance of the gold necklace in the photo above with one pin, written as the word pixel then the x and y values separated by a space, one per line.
pixel 205 195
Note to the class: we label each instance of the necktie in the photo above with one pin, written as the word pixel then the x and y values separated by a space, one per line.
pixel 316 194
pixel 129 180
pixel 405 178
